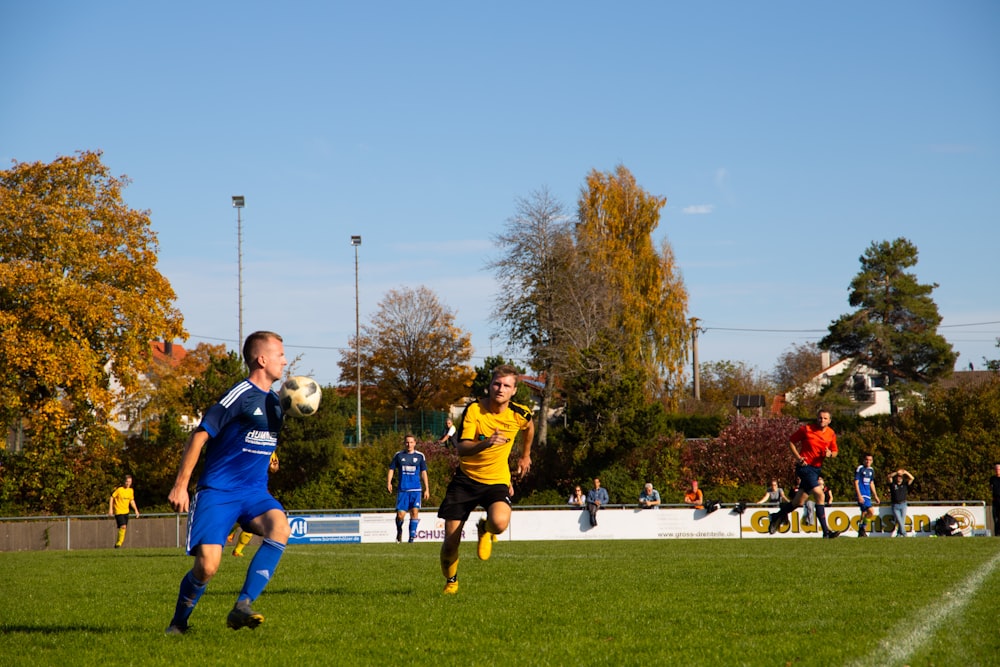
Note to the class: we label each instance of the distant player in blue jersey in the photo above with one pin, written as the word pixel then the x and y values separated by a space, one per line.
pixel 412 469
pixel 864 487
pixel 238 434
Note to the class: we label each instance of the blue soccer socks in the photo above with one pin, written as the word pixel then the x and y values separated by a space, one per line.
pixel 190 591
pixel 261 569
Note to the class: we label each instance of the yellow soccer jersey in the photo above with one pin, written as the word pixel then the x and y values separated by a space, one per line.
pixel 123 498
pixel 491 466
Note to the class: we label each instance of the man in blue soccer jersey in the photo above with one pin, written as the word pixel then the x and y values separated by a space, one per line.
pixel 864 488
pixel 412 468
pixel 238 434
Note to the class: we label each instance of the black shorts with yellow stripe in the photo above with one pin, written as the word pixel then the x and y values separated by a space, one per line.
pixel 464 494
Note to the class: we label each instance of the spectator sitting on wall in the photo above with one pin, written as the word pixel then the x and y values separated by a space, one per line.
pixel 694 496
pixel 649 499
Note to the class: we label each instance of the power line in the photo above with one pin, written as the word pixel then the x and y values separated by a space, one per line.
pixel 974 324
pixel 764 330
pixel 745 329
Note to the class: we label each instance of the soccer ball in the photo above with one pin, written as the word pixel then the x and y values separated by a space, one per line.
pixel 300 396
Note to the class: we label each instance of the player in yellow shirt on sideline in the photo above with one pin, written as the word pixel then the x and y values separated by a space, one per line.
pixel 121 500
pixel 486 437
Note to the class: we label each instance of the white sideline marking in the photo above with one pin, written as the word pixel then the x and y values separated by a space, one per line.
pixel 920 628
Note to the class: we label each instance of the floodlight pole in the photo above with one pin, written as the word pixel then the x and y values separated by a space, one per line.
pixel 238 203
pixel 356 242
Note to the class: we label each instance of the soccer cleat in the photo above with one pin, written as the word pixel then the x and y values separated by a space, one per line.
pixel 176 629
pixel 238 554
pixel 451 587
pixel 485 546
pixel 831 534
pixel 410 540
pixel 242 616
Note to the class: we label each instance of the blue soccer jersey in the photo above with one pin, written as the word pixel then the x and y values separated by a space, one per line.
pixel 408 467
pixel 864 476
pixel 243 433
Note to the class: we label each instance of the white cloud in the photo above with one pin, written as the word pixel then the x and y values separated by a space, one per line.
pixel 698 209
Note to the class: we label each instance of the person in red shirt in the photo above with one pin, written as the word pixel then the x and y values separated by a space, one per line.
pixel 810 445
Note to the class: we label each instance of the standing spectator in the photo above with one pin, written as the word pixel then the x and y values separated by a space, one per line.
pixel 995 488
pixel 899 487
pixel 864 488
pixel 577 498
pixel 817 442
pixel 694 496
pixel 597 498
pixel 486 438
pixel 775 495
pixel 412 467
pixel 450 435
pixel 238 434
pixel 649 499
pixel 121 500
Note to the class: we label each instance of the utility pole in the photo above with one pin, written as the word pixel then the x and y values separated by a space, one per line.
pixel 696 382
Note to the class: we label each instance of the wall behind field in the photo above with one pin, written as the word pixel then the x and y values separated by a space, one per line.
pixel 527 524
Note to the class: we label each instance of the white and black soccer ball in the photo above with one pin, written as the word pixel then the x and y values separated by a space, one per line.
pixel 300 396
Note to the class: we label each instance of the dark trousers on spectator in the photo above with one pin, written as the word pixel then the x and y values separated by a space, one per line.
pixel 592 510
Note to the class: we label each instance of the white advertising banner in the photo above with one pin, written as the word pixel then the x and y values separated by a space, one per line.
pixel 617 523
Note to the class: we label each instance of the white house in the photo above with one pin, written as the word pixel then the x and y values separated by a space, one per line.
pixel 865 387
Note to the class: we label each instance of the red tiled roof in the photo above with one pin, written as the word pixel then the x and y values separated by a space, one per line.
pixel 170 353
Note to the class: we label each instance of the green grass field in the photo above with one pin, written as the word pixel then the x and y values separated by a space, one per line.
pixel 682 602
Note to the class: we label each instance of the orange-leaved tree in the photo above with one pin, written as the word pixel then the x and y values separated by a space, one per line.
pixel 649 302
pixel 80 299
pixel 412 354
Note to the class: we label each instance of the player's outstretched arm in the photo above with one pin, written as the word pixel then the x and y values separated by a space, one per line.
pixel 179 498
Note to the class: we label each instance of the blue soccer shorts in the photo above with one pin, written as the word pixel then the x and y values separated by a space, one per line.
pixel 408 500
pixel 214 512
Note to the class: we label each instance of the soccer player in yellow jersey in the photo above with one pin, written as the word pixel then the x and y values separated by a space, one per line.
pixel 486 437
pixel 121 500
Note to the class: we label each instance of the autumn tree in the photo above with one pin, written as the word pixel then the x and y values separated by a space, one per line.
pixel 412 354
pixel 648 317
pixel 80 299
pixel 894 329
pixel 164 386
pixel 721 381
pixel 796 366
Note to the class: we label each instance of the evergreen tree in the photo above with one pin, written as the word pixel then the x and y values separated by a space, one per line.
pixel 894 329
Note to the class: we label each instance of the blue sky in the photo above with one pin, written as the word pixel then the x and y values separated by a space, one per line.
pixel 786 136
